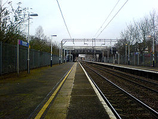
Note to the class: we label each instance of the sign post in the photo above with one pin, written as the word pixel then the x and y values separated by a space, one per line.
pixel 23 43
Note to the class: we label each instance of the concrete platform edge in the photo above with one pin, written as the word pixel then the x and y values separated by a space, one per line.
pixel 107 109
pixel 59 108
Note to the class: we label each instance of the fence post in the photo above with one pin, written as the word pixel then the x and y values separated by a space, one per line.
pixel 143 60
pixel 128 54
pixel 138 58
pixel 156 58
pixel 18 57
pixel 134 58
pixel 118 58
pixel 33 59
pixel 39 59
pixel 0 57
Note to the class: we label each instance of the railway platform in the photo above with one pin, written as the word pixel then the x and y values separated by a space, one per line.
pixel 148 72
pixel 143 68
pixel 76 99
pixel 60 92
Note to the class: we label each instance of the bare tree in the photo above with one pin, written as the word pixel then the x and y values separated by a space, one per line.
pixel 136 34
pixel 39 33
pixel 152 23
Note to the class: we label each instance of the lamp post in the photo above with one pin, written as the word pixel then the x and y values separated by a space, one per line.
pixel 51 49
pixel 61 52
pixel 28 39
pixel 153 49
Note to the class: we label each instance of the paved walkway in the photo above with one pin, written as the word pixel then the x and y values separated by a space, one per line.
pixel 22 97
pixel 76 99
pixel 59 108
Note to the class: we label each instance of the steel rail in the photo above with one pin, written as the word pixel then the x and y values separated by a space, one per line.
pixel 130 76
pixel 131 81
pixel 154 112
pixel 106 100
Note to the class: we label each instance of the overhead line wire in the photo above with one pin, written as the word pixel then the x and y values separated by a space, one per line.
pixel 107 17
pixel 112 18
pixel 63 19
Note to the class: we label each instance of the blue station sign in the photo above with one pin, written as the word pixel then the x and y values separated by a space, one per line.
pixel 23 43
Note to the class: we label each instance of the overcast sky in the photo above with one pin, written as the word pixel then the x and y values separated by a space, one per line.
pixel 85 17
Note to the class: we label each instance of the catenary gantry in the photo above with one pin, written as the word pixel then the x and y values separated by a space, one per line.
pixel 90 47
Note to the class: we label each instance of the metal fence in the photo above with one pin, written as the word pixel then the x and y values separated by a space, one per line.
pixel 8 58
pixel 135 59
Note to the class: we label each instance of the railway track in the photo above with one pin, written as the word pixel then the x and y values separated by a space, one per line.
pixel 125 104
pixel 135 79
pixel 144 89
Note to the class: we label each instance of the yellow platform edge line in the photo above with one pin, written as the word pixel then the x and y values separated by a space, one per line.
pixel 40 113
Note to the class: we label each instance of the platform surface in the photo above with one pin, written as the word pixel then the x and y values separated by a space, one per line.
pixel 76 99
pixel 139 68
